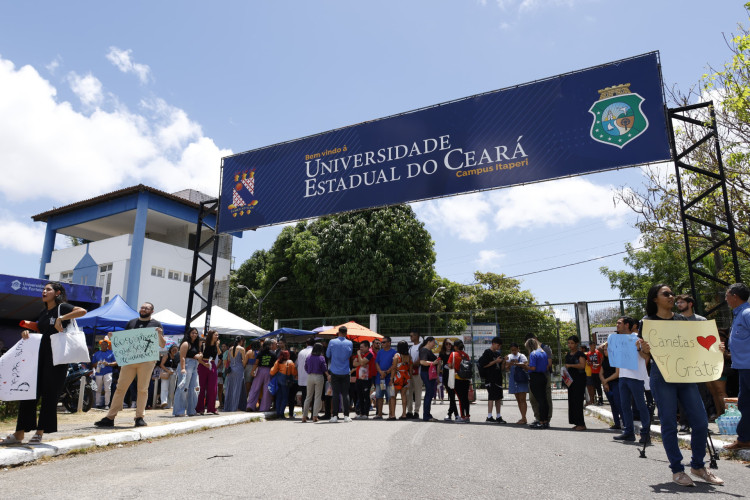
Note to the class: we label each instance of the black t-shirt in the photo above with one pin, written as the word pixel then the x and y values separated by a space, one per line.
pixel 607 369
pixel 426 355
pixel 210 351
pixel 46 320
pixel 491 373
pixel 574 359
pixel 136 323
pixel 266 359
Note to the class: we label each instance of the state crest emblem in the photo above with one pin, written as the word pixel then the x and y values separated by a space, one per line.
pixel 618 118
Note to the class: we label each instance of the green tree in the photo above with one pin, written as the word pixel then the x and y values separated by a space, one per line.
pixel 657 205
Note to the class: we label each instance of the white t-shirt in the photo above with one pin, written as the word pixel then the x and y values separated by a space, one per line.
pixel 414 353
pixel 640 374
pixel 301 372
pixel 518 357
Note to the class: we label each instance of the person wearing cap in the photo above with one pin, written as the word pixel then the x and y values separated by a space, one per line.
pixel 102 361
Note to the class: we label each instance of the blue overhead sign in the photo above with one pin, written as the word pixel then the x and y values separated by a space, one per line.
pixel 602 118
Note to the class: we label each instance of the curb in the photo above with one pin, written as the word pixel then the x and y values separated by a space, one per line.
pixel 16 455
pixel 719 444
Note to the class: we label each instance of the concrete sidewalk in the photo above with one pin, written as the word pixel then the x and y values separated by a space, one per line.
pixel 76 431
pixel 719 440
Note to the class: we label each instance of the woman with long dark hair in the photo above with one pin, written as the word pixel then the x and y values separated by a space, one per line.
pixel 286 372
pixel 575 363
pixel 186 397
pixel 234 369
pixel 462 384
pixel 262 368
pixel 427 359
pixel 208 374
pixel 659 304
pixel 401 374
pixel 54 318
pixel 445 351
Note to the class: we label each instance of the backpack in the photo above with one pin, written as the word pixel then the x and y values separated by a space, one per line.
pixel 465 369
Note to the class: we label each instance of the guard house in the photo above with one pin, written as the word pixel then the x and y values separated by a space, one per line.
pixel 137 242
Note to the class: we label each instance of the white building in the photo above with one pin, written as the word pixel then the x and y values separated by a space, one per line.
pixel 137 242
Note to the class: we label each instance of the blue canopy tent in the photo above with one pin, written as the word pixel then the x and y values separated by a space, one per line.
pixel 114 315
pixel 287 333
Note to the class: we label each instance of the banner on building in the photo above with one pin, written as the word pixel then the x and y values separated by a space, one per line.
pixel 602 118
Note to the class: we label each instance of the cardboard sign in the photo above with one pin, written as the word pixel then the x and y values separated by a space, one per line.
pixel 685 351
pixel 623 353
pixel 18 370
pixel 135 346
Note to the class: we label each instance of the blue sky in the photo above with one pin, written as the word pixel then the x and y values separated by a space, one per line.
pixel 96 96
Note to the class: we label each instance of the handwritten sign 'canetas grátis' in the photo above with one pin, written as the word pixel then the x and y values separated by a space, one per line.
pixel 685 351
pixel 18 370
pixel 135 346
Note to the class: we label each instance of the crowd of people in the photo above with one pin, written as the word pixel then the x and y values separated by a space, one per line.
pixel 204 375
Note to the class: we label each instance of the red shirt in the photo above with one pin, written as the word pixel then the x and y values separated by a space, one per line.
pixel 592 358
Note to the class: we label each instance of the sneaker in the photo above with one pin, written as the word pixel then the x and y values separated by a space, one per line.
pixel 347 419
pixel 448 418
pixel 683 429
pixel 682 479
pixel 499 420
pixel 536 425
pixel 624 437
pixel 409 415
pixel 139 422
pixel 460 420
pixel 105 422
pixel 707 476
pixel 645 439
pixel 363 417
pixel 490 419
pixel 334 420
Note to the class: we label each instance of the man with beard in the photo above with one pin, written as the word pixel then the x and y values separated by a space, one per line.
pixel 129 372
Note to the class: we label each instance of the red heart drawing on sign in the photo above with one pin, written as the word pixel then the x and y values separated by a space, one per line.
pixel 707 342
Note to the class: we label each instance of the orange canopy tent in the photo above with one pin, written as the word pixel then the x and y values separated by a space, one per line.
pixel 354 331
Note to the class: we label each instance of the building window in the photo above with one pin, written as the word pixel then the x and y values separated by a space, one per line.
pixel 187 277
pixel 157 272
pixel 174 275
pixel 66 277
pixel 105 281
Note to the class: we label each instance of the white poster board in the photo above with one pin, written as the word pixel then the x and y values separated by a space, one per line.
pixel 18 369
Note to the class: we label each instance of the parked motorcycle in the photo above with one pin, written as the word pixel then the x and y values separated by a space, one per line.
pixel 72 388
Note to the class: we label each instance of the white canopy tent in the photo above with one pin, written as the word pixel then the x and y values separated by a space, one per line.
pixel 167 316
pixel 227 323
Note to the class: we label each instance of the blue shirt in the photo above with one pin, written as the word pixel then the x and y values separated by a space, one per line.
pixel 538 359
pixel 339 351
pixel 384 360
pixel 739 338
pixel 107 356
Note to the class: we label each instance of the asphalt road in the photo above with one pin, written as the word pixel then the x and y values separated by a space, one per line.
pixel 372 459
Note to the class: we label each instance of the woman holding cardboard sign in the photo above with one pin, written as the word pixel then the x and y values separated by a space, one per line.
pixel 55 317
pixel 659 304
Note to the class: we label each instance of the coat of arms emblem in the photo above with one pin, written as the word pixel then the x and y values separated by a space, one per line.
pixel 618 118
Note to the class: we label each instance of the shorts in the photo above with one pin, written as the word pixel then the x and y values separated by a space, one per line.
pixel 593 380
pixel 389 390
pixel 494 392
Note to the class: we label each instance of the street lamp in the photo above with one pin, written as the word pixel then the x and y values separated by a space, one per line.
pixel 260 301
pixel 429 314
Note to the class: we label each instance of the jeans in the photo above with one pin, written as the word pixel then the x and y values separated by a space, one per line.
pixel 667 396
pixel 340 387
pixel 630 387
pixel 613 396
pixel 167 390
pixel 743 404
pixel 186 394
pixel 282 394
pixel 429 393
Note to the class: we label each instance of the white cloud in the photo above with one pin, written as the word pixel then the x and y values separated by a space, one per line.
pixel 122 59
pixel 489 259
pixel 59 155
pixel 53 65
pixel 19 237
pixel 88 88
pixel 558 203
pixel 465 216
